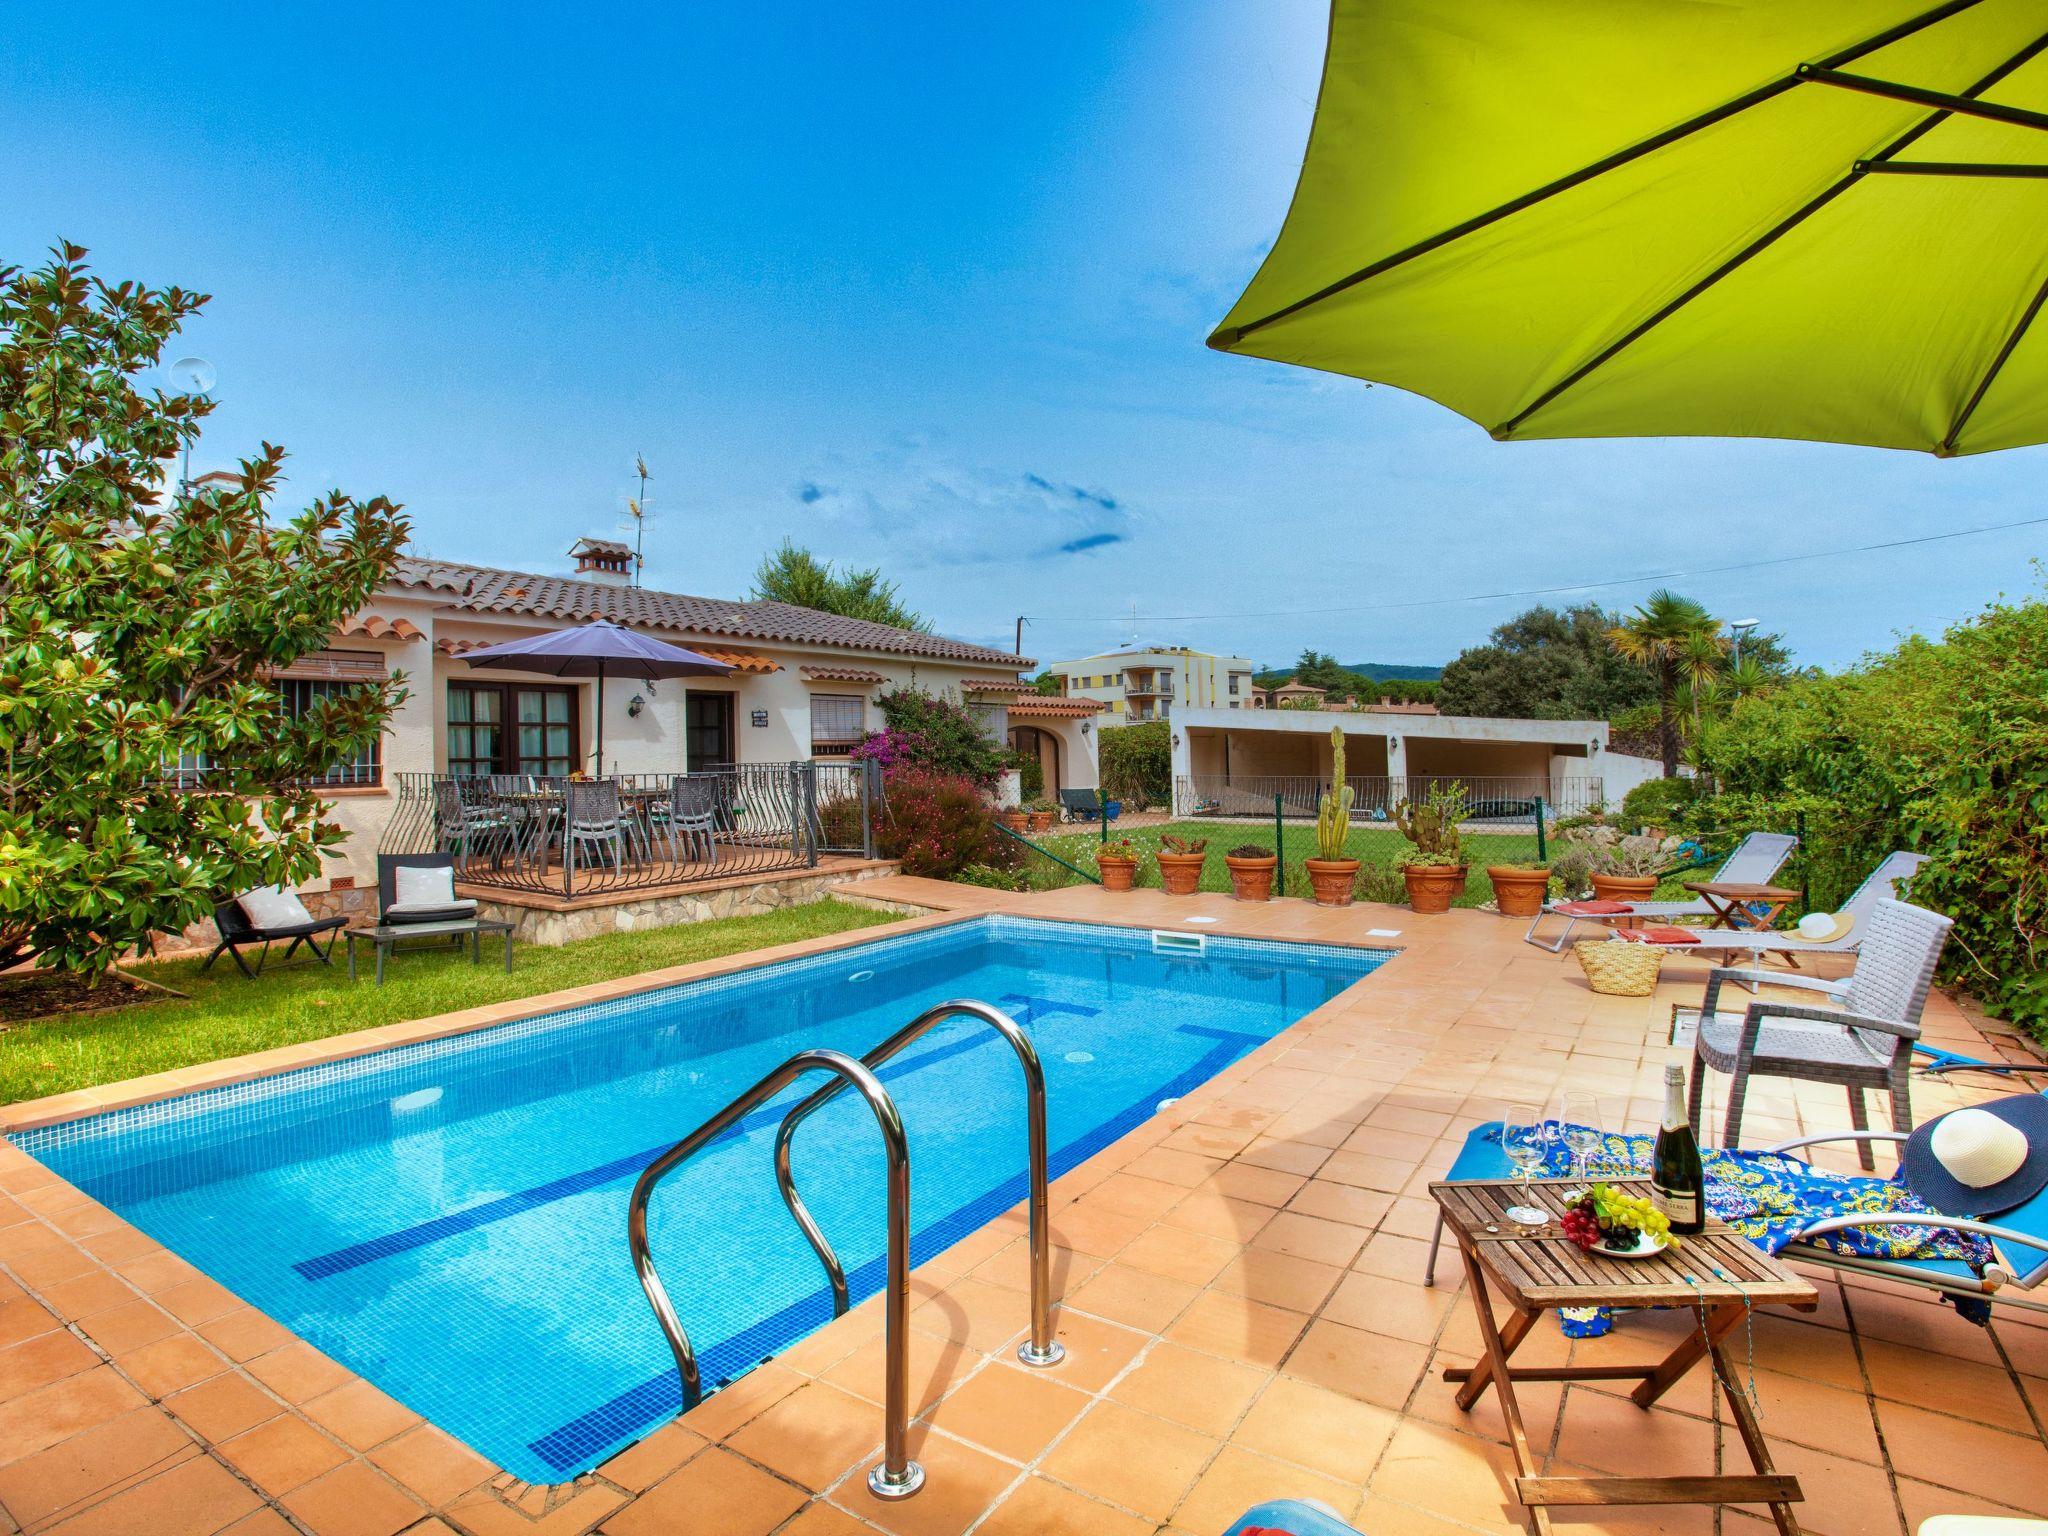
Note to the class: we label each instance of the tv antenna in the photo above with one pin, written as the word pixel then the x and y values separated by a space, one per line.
pixel 638 511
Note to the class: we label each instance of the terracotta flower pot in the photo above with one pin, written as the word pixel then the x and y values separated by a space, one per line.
pixel 1016 821
pixel 1332 880
pixel 1181 873
pixel 1519 892
pixel 1117 874
pixel 1251 879
pixel 1624 887
pixel 1431 887
pixel 1041 821
pixel 1458 885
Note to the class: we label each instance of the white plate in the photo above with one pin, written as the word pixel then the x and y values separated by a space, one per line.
pixel 1638 1252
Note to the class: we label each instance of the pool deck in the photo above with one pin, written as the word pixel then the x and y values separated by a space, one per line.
pixel 1243 1309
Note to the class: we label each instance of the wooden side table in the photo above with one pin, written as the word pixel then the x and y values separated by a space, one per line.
pixel 1732 902
pixel 1537 1269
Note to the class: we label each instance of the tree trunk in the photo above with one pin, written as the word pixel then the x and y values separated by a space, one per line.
pixel 1667 717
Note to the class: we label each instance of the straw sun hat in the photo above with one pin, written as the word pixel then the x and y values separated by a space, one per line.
pixel 1976 1162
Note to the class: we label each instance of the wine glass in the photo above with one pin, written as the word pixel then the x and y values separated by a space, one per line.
pixel 1522 1138
pixel 1578 1116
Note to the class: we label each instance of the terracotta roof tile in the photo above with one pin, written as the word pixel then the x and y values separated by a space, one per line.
pixel 996 685
pixel 841 674
pixel 1052 707
pixel 486 589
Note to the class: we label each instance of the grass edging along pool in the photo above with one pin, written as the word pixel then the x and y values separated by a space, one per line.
pixel 446 1218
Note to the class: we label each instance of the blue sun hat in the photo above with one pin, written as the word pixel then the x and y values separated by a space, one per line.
pixel 1981 1160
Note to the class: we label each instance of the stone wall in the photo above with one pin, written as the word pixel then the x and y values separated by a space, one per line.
pixel 536 925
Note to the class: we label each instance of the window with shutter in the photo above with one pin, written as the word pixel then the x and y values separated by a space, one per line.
pixel 836 723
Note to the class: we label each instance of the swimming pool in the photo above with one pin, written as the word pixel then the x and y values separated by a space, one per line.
pixel 447 1219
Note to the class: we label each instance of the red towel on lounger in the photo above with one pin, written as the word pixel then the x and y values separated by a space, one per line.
pixel 1658 936
pixel 1592 908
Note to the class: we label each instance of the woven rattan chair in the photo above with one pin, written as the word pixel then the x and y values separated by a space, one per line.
pixel 1865 1042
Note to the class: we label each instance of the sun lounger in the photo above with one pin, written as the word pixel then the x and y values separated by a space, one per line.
pixel 1882 885
pixel 1755 860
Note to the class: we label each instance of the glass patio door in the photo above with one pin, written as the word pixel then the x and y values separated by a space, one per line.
pixel 511 728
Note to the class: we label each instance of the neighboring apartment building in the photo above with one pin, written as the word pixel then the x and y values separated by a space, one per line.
pixel 1148 683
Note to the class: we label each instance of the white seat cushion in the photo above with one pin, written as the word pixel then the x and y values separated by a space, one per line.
pixel 272 906
pixel 431 909
pixel 429 887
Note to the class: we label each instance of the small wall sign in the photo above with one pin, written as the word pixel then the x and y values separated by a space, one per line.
pixel 761 717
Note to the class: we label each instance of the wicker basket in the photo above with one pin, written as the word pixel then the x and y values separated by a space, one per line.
pixel 1618 969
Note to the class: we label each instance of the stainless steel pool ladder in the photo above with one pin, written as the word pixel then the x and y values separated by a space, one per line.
pixel 897 1477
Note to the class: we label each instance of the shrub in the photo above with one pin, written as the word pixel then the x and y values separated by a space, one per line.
pixel 839 821
pixel 1937 746
pixel 1137 763
pixel 1173 842
pixel 1380 882
pixel 925 730
pixel 938 824
pixel 994 879
pixel 1659 802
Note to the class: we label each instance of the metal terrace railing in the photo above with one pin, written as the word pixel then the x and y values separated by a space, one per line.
pixel 634 832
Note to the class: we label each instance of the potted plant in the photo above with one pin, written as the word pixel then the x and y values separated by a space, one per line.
pixel 1251 872
pixel 1118 862
pixel 1519 889
pixel 1180 863
pixel 1627 869
pixel 1016 819
pixel 1041 813
pixel 1330 873
pixel 1433 868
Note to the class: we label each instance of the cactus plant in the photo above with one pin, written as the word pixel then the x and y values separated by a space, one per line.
pixel 1432 827
pixel 1333 818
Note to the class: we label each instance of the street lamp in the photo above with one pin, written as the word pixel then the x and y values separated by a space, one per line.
pixel 191 377
pixel 1741 627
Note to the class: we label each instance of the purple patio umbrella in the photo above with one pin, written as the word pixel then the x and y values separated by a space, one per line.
pixel 599 649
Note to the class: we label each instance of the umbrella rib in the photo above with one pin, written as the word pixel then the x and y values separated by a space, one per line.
pixel 1228 336
pixel 1763 242
pixel 1891 90
pixel 1947 446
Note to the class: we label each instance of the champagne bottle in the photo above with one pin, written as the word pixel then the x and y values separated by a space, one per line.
pixel 1678 1185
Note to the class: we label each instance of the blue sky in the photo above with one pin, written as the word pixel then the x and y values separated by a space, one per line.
pixel 922 285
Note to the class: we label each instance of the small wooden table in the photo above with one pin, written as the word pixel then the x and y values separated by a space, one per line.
pixel 1538 1268
pixel 1733 901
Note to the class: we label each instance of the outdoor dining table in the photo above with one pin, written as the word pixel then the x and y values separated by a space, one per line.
pixel 1719 1273
pixel 636 801
pixel 1737 904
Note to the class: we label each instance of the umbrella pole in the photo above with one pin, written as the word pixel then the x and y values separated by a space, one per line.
pixel 599 772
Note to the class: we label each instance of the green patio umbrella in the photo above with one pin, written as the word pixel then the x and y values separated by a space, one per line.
pixel 1822 219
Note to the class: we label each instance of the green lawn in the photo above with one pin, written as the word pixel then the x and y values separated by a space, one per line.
pixel 1374 844
pixel 229 1015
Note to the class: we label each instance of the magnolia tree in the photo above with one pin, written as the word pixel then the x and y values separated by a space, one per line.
pixel 140 632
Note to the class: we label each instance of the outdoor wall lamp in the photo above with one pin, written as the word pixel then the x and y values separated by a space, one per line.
pixel 634 705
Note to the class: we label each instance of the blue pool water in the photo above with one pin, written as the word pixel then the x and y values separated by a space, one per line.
pixel 448 1219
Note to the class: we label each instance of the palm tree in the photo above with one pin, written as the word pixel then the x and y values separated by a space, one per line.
pixel 1702 654
pixel 1661 636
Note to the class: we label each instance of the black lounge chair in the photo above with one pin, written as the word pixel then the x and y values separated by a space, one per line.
pixel 392 914
pixel 237 933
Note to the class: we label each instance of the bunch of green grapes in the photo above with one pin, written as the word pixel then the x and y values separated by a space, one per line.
pixel 1612 1216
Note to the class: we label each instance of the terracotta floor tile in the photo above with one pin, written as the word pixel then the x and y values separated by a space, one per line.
pixel 1954 1453
pixel 1130 1459
pixel 821 1519
pixel 1199 1390
pixel 1342 1202
pixel 107 1456
pixel 1040 1507
pixel 725 1410
pixel 1843 1498
pixel 1401 1311
pixel 298 1372
pixel 813 1436
pixel 279 1455
pixel 1134 1297
pixel 172 1364
pixel 936 1367
pixel 245 1334
pixel 23 1317
pixel 353 1500
pixel 1238 1328
pixel 1311 1237
pixel 62 1409
pixel 1923 1501
pixel 751 1502
pixel 1189 1257
pixel 1926 1376
pixel 129 1325
pixel 1215 1215
pixel 196 1497
pixel 1238 1479
pixel 1367 1366
pixel 1010 1410
pixel 1139 1196
pixel 961 1483
pixel 1279 1279
pixel 1261 1186
pixel 439 1468
pixel 224 1406
pixel 1327 1431
pixel 359 1414
pixel 1448 1474
pixel 1612 1435
pixel 41 1360
pixel 1096 1350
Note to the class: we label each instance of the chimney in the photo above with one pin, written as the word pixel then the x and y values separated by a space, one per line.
pixel 605 561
